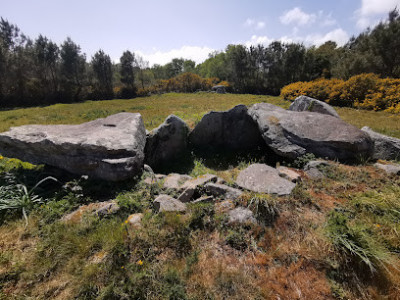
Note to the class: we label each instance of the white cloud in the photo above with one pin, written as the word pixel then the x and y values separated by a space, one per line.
pixel 197 54
pixel 327 20
pixel 254 24
pixel 370 11
pixel 260 25
pixel 258 40
pixel 374 7
pixel 249 22
pixel 337 35
pixel 298 17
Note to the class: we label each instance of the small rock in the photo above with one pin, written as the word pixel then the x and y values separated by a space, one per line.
pixel 224 206
pixel 219 89
pixel 220 180
pixel 390 169
pixel 191 186
pixel 100 209
pixel 385 147
pixel 99 257
pixel 135 220
pixel 221 190
pixel 289 174
pixel 175 181
pixel 304 103
pixel 157 178
pixel 200 181
pixel 167 203
pixel 187 194
pixel 261 178
pixel 204 199
pixel 241 215
pixel 312 169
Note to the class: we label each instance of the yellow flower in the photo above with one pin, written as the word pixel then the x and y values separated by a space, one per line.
pixel 139 262
pixel 377 225
pixel 126 221
pixel 122 267
pixel 1 157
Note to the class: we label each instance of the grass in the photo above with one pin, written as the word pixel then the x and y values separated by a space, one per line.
pixel 189 107
pixel 154 109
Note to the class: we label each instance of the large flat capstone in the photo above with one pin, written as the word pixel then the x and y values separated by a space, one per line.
pixel 110 148
pixel 292 134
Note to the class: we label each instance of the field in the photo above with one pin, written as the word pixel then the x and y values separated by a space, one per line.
pixel 332 238
pixel 189 107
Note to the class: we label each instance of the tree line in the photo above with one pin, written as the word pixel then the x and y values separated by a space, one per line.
pixel 38 72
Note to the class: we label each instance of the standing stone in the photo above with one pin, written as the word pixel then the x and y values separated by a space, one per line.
pixel 385 147
pixel 304 103
pixel 232 130
pixel 292 134
pixel 167 142
pixel 110 148
pixel 261 178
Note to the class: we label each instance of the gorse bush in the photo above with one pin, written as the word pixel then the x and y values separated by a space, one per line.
pixel 367 91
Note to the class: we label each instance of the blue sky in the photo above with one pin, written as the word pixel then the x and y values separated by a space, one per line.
pixel 162 30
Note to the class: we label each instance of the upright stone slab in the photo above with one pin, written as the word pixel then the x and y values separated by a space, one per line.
pixel 232 130
pixel 292 134
pixel 167 142
pixel 385 147
pixel 110 148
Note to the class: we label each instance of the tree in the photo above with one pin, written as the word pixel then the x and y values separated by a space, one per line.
pixel 385 43
pixel 141 66
pixel 126 71
pixel 73 69
pixel 46 58
pixel 102 68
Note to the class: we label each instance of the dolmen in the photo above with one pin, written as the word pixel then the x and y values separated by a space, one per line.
pixel 115 148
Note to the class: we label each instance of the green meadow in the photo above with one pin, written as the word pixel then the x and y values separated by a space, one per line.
pixel 189 107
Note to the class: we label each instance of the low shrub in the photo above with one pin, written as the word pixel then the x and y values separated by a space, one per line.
pixel 367 91
pixel 183 83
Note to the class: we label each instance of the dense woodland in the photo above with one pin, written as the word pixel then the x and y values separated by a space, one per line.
pixel 39 72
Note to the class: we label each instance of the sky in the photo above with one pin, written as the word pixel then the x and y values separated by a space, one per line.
pixel 162 30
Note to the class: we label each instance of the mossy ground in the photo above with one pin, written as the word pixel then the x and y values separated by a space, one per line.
pixel 336 238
